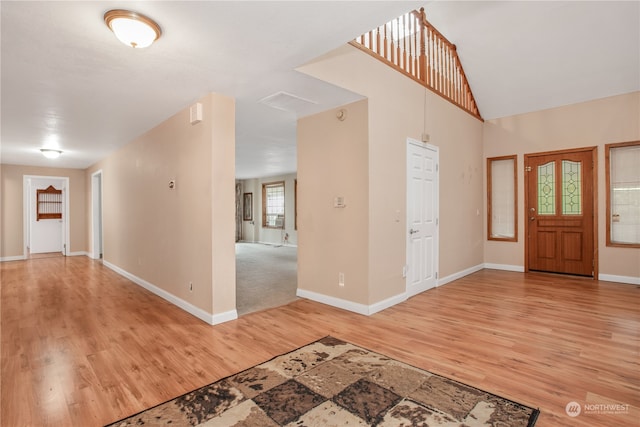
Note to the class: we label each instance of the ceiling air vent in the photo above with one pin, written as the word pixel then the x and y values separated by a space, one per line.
pixel 287 102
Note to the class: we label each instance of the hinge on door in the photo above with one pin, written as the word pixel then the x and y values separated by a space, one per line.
pixel 527 169
pixel 436 274
pixel 437 167
pixel 437 221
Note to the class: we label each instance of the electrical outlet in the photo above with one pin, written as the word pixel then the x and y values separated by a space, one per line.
pixel 341 279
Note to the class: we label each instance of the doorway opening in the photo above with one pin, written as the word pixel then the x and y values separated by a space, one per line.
pixel 266 243
pixel 45 235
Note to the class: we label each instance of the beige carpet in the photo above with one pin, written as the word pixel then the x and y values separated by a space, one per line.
pixel 266 276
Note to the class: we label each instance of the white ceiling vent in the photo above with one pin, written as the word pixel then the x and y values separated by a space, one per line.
pixel 287 102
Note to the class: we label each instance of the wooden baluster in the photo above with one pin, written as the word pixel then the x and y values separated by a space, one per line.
pixel 445 86
pixel 457 75
pixel 445 74
pixel 426 46
pixel 424 71
pixel 430 57
pixel 398 45
pixel 385 49
pixel 457 88
pixel 432 61
pixel 390 37
pixel 436 65
pixel 460 99
pixel 415 46
pixel 411 34
pixel 449 72
pixel 378 50
pixel 404 42
pixel 442 67
pixel 405 36
pixel 451 76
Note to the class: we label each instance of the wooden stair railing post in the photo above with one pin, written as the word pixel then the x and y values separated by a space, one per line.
pixel 423 55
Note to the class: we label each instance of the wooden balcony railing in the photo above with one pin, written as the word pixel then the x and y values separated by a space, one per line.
pixel 416 48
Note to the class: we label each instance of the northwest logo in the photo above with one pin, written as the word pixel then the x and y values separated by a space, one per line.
pixel 573 409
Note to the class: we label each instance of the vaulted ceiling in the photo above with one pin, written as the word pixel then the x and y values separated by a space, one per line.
pixel 67 82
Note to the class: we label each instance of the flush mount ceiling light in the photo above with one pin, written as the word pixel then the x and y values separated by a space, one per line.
pixel 50 153
pixel 131 28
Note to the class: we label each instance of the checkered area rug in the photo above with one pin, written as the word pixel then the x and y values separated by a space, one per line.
pixel 333 383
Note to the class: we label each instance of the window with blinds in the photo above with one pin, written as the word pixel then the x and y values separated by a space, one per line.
pixel 502 197
pixel 273 205
pixel 622 168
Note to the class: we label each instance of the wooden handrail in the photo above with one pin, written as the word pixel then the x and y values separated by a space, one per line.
pixel 413 46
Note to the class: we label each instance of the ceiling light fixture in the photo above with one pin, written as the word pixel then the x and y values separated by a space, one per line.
pixel 131 28
pixel 50 153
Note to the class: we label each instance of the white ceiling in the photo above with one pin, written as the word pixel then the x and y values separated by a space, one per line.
pixel 67 81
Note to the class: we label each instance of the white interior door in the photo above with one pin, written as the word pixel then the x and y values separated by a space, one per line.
pixel 46 235
pixel 422 217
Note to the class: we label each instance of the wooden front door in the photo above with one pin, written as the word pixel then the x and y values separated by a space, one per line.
pixel 559 210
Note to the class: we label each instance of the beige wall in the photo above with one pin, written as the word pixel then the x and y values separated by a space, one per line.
pixel 588 124
pixel 12 208
pixel 252 230
pixel 171 238
pixel 222 196
pixel 333 161
pixel 399 108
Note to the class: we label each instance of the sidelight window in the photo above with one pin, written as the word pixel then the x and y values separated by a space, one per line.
pixel 502 198
pixel 622 168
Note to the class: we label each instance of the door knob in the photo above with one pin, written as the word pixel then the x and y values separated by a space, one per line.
pixel 412 231
pixel 532 218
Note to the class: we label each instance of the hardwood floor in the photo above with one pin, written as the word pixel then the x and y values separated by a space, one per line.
pixel 83 346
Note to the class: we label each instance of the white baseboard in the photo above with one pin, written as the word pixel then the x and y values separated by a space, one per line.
pixel 13 258
pixel 505 267
pixel 23 257
pixel 212 319
pixel 333 301
pixel 389 302
pixel 355 307
pixel 368 310
pixel 459 274
pixel 79 253
pixel 629 280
